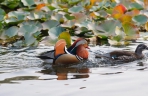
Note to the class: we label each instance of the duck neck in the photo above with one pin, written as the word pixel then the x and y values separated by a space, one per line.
pixel 138 51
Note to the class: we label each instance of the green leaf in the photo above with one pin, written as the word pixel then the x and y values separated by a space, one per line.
pixel 11 20
pixel 51 7
pixel 18 43
pixel 117 38
pixel 12 31
pixel 109 26
pixel 135 6
pixel 36 34
pixel 50 24
pixel 129 29
pixel 29 29
pixel 29 39
pixel 140 19
pixel 53 35
pixel 76 9
pixel 20 15
pixel 69 24
pixel 28 2
pixel 66 36
pixel 55 31
pixel 69 17
pixel 11 3
pixel 57 17
pixel 2 13
pixel 35 23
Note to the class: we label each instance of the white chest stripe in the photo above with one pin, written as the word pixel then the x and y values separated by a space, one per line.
pixel 79 58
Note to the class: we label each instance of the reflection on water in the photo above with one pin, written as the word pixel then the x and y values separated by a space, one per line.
pixel 62 73
pixel 18 78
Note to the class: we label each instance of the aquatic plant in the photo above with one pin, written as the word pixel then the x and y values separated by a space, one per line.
pixel 27 22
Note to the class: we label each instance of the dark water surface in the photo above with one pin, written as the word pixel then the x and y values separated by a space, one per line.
pixel 22 74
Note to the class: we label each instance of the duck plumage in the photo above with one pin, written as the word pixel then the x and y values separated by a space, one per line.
pixel 61 55
pixel 125 56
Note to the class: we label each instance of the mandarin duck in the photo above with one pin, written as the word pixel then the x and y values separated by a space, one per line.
pixel 61 55
pixel 125 56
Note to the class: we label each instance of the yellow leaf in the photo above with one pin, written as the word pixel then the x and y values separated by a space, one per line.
pixel 66 36
pixel 39 6
pixel 125 18
pixel 146 4
pixel 146 26
pixel 93 15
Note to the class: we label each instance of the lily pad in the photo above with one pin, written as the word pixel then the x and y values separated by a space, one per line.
pixel 76 9
pixel 2 13
pixel 30 29
pixel 28 2
pixel 109 27
pixel 50 24
pixel 140 19
pixel 29 39
pixel 12 31
pixel 135 6
pixel 129 29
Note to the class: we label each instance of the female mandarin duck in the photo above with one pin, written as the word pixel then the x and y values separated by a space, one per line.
pixel 125 56
pixel 61 55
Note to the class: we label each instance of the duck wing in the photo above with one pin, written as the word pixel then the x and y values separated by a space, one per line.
pixel 47 55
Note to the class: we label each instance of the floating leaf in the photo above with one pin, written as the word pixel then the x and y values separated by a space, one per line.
pixel 28 2
pixel 118 38
pixel 118 11
pixel 140 19
pixel 20 15
pixel 54 33
pixel 75 9
pixel 29 29
pixel 146 4
pixel 133 12
pixel 135 6
pixel 125 18
pixel 69 17
pixel 29 39
pixel 50 24
pixel 79 17
pixel 109 26
pixel 12 31
pixel 18 43
pixel 67 37
pixel 11 3
pixel 129 28
pixel 39 6
pixel 68 23
pixel 146 26
pixel 51 7
pixel 2 13
pixel 57 17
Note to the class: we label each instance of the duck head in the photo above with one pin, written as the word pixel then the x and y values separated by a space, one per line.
pixel 74 46
pixel 140 48
pixel 82 51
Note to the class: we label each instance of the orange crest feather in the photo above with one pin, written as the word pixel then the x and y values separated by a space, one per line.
pixel 59 47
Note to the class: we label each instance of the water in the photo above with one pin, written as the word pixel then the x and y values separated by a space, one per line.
pixel 22 74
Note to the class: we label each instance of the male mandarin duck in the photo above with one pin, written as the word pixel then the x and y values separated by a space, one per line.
pixel 125 56
pixel 61 55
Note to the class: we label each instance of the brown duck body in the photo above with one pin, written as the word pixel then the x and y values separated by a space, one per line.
pixel 125 56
